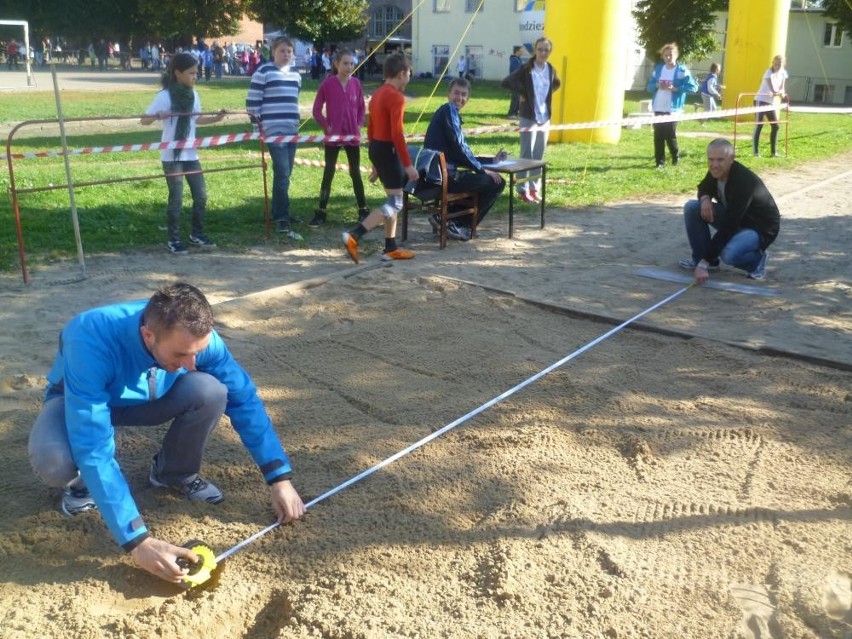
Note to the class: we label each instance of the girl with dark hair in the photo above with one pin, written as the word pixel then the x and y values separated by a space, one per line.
pixel 177 106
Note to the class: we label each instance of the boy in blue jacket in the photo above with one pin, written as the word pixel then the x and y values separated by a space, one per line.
pixel 142 364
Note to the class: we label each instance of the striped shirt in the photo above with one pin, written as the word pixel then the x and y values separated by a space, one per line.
pixel 273 96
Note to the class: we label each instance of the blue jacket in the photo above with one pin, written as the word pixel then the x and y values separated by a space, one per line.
pixel 102 362
pixel 682 84
pixel 445 134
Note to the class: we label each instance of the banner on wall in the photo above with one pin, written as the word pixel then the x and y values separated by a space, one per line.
pixel 531 24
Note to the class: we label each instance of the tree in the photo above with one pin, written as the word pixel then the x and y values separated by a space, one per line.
pixel 687 22
pixel 314 20
pixel 840 10
pixel 204 18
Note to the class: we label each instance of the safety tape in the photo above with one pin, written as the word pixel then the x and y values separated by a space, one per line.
pixel 220 140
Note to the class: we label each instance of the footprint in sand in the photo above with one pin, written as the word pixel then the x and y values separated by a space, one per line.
pixel 758 611
pixel 837 597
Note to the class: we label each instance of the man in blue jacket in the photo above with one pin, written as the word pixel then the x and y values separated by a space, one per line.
pixel 143 364
pixel 445 134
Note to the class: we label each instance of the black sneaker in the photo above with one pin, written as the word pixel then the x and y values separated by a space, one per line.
pixel 194 488
pixel 202 240
pixel 319 219
pixel 177 247
pixel 76 498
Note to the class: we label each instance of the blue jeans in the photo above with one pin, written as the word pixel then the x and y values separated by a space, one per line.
pixel 282 166
pixel 195 403
pixel 742 250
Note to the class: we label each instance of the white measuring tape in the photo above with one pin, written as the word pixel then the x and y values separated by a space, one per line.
pixel 458 421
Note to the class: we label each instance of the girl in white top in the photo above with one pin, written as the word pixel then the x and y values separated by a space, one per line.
pixel 773 85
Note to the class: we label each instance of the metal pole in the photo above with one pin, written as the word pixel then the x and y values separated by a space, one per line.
pixel 74 220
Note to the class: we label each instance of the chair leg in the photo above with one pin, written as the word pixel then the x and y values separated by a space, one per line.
pixel 475 217
pixel 404 216
pixel 442 232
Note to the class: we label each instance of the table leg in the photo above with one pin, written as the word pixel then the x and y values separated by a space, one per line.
pixel 543 191
pixel 511 203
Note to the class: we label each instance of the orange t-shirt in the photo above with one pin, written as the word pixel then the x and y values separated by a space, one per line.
pixel 387 109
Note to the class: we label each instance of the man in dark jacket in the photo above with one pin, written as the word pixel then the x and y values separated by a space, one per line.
pixel 445 134
pixel 736 203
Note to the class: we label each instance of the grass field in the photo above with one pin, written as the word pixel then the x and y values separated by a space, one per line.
pixel 129 215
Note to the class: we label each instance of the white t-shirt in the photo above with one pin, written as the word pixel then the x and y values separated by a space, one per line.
pixel 163 102
pixel 541 87
pixel 663 99
pixel 769 84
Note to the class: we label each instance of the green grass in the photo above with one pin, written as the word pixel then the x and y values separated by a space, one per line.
pixel 128 215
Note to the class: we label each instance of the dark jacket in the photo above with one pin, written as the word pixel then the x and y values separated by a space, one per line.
pixel 521 82
pixel 748 205
pixel 445 134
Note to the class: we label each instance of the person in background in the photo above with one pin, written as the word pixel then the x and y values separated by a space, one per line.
pixel 669 84
pixel 145 363
pixel 273 103
pixel 341 96
pixel 773 86
pixel 461 66
pixel 710 89
pixel 515 63
pixel 389 155
pixel 735 202
pixel 535 81
pixel 177 106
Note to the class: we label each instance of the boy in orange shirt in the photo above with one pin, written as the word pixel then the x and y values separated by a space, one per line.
pixel 389 155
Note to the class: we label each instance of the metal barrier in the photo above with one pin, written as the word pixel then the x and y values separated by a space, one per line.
pixel 784 104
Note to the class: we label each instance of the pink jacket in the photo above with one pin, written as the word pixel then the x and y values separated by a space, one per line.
pixel 344 108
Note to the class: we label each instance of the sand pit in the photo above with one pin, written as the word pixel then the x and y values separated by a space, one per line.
pixel 676 480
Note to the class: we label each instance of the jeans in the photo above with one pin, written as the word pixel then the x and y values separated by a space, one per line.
pixel 742 250
pixel 195 403
pixel 532 148
pixel 282 166
pixel 198 189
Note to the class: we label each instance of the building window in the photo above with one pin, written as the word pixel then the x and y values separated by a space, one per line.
pixel 440 58
pixel 470 6
pixel 833 36
pixel 824 93
pixel 385 20
pixel 440 6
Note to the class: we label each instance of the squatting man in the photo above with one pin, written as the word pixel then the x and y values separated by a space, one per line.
pixel 736 203
pixel 145 363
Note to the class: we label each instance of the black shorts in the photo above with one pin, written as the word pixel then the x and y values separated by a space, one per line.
pixel 388 165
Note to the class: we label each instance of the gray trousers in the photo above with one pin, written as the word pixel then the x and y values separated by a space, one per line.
pixel 195 403
pixel 533 144
pixel 198 190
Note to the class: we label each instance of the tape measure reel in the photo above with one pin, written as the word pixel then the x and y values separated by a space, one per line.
pixel 201 571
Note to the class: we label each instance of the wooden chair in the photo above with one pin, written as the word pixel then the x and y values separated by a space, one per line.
pixel 436 199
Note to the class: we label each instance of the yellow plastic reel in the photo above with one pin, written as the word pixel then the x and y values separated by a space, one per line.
pixel 201 571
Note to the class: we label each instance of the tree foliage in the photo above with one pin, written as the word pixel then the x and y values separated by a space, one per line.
pixel 314 20
pixel 687 22
pixel 200 18
pixel 841 11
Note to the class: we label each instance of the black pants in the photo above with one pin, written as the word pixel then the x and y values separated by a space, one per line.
pixel 772 117
pixel 353 157
pixel 665 134
pixel 488 189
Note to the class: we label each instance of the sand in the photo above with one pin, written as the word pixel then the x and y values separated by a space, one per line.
pixel 688 476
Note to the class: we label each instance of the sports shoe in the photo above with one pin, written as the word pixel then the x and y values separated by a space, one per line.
pixel 526 196
pixel 193 487
pixel 759 272
pixel 318 220
pixel 535 196
pixel 284 227
pixel 397 254
pixel 458 232
pixel 76 498
pixel 177 247
pixel 351 245
pixel 201 240
pixel 689 264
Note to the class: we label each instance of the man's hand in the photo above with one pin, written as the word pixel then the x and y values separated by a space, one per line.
pixel 374 175
pixel 412 174
pixel 286 502
pixel 160 559
pixel 495 177
pixel 701 275
pixel 707 212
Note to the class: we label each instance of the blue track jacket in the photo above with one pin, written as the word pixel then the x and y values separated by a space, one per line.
pixel 445 134
pixel 102 361
pixel 682 84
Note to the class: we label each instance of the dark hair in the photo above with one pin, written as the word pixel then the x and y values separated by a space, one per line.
pixel 179 305
pixel 714 67
pixel 395 64
pixel 179 62
pixel 464 83
pixel 277 42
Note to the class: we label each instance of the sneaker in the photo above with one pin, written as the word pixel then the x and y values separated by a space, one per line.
pixel 177 247
pixel 759 273
pixel 363 213
pixel 284 227
pixel 397 254
pixel 689 264
pixel 193 487
pixel 351 245
pixel 526 196
pixel 318 220
pixel 535 196
pixel 76 498
pixel 661 166
pixel 458 232
pixel 201 240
